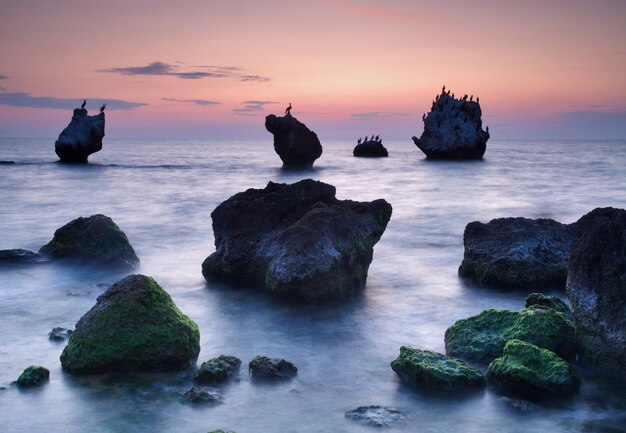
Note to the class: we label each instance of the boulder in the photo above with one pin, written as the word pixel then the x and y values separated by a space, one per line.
pixel 376 416
pixel 218 369
pixel 95 240
pixel 82 137
pixel 134 326
pixel 370 148
pixel 33 375
pixel 453 130
pixel 596 287
pixel 482 338
pixel 296 241
pixel 59 334
pixel 431 371
pixel 532 372
pixel 265 368
pixel 196 395
pixel 296 144
pixel 19 256
pixel 550 302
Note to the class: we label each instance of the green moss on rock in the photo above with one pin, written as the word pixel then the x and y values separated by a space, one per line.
pixel 218 369
pixel 530 371
pixel 134 326
pixel 33 375
pixel 433 371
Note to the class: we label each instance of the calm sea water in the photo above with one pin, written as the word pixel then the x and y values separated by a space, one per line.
pixel 161 193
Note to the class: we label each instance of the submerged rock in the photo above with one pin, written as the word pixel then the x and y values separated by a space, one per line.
pixel 370 148
pixel 197 395
pixel 482 338
pixel 431 371
pixel 376 416
pixel 218 369
pixel 59 334
pixel 296 144
pixel 19 256
pixel 263 367
pixel 33 375
pixel 530 371
pixel 134 326
pixel 453 130
pixel 82 137
pixel 95 240
pixel 296 241
pixel 596 287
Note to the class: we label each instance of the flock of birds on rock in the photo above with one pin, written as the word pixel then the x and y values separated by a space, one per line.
pixel 437 104
pixel 376 138
pixel 85 103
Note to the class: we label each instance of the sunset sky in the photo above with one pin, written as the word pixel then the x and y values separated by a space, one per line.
pixel 213 68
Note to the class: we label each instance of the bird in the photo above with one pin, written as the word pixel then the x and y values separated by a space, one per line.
pixel 424 116
pixel 487 130
pixel 477 99
pixel 471 98
pixel 465 97
pixel 359 141
pixel 443 89
pixel 103 107
pixel 288 109
pixel 377 138
pixel 84 103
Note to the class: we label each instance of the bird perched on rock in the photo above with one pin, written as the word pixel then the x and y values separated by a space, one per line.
pixel 84 103
pixel 359 141
pixel 443 89
pixel 103 107
pixel 288 109
pixel 424 116
pixel 477 99
pixel 377 138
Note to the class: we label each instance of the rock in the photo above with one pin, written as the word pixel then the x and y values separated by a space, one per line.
pixel 530 371
pixel 34 375
pixel 296 241
pixel 550 302
pixel 296 144
pixel 221 431
pixel 218 369
pixel 198 395
pixel 263 367
pixel 596 287
pixel 82 137
pixel 95 240
pixel 59 334
pixel 370 148
pixel 453 130
pixel 431 371
pixel 19 257
pixel 376 416
pixel 482 338
pixel 134 326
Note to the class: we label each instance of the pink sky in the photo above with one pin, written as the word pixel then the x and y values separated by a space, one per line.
pixel 213 68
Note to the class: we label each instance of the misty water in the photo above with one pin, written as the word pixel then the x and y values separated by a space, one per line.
pixel 161 193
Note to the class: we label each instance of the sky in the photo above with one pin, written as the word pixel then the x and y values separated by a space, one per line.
pixel 214 69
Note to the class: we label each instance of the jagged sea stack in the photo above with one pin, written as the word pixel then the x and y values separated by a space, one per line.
pixel 296 144
pixel 82 137
pixel 453 130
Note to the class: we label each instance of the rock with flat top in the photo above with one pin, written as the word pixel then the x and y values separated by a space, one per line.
pixel 82 137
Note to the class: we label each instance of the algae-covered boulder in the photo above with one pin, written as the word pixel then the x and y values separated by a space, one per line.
pixel 134 326
pixel 95 240
pixel 33 375
pixel 218 369
pixel 530 371
pixel 482 338
pixel 266 368
pixel 433 371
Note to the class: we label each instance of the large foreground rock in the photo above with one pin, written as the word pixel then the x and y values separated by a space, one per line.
pixel 134 326
pixel 296 144
pixel 95 240
pixel 370 148
pixel 453 130
pixel 82 137
pixel 596 287
pixel 296 241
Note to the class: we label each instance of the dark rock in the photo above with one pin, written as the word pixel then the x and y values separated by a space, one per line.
pixel 34 375
pixel 296 241
pixel 82 137
pixel 596 287
pixel 198 395
pixel 482 338
pixel 218 369
pixel 431 371
pixel 453 130
pixel 550 302
pixel 263 367
pixel 370 148
pixel 19 257
pixel 7 162
pixel 59 334
pixel 134 326
pixel 376 416
pixel 296 144
pixel 530 371
pixel 95 240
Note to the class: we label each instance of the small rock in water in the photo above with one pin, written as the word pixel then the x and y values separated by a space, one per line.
pixel 263 367
pixel 296 144
pixel 82 137
pixel 19 256
pixel 376 416
pixel 59 334
pixel 519 404
pixel 199 395
pixel 34 375
pixel 218 369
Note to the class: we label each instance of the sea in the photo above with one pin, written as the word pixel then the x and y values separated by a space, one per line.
pixel 162 192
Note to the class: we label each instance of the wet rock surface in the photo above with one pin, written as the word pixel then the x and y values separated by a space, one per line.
pixel 20 256
pixel 376 416
pixel 218 369
pixel 33 375
pixel 266 368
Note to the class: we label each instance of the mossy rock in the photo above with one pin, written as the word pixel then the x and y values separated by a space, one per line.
pixel 218 369
pixel 550 302
pixel 266 368
pixel 134 326
pixel 530 371
pixel 482 338
pixel 199 396
pixel 33 375
pixel 433 371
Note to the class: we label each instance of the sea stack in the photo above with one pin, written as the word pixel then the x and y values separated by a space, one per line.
pixel 296 144
pixel 453 129
pixel 82 137
pixel 370 148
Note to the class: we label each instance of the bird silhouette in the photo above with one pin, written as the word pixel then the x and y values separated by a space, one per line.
pixel 477 99
pixel 471 98
pixel 359 142
pixel 84 103
pixel 103 107
pixel 288 109
pixel 377 138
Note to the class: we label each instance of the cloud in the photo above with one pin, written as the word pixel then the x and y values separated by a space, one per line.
pixel 252 108
pixel 198 72
pixel 3 77
pixel 377 115
pixel 372 12
pixel 22 99
pixel 192 101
